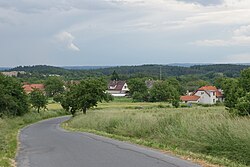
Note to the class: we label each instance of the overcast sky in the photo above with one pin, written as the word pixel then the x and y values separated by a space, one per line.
pixel 124 32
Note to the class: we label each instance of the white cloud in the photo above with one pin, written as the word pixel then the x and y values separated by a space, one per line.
pixel 239 37
pixel 243 30
pixel 67 39
pixel 157 24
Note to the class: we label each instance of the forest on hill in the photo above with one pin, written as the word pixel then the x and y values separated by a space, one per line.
pixel 125 72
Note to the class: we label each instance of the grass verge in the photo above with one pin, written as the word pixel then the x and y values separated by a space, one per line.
pixel 9 128
pixel 210 134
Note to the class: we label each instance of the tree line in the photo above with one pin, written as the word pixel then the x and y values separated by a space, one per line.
pixel 87 93
pixel 75 97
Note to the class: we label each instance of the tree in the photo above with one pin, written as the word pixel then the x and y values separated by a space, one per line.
pixel 138 89
pixel 68 100
pixel 13 100
pixel 243 105
pixel 175 83
pixel 245 79
pixel 115 76
pixel 38 100
pixel 232 92
pixel 84 95
pixel 163 91
pixel 53 85
pixel 89 92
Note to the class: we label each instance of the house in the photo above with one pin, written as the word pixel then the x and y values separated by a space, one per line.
pixel 28 88
pixel 204 95
pixel 118 88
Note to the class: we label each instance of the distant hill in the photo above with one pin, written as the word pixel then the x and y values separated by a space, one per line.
pixel 84 67
pixel 41 69
pixel 153 70
pixel 186 64
pixel 4 68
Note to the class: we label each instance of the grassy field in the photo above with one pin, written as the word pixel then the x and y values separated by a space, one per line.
pixel 9 128
pixel 207 133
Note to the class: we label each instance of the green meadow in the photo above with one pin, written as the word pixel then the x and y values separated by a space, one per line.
pixel 207 135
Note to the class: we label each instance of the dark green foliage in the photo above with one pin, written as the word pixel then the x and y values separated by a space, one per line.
pixel 163 91
pixel 237 93
pixel 53 86
pixel 115 76
pixel 38 100
pixel 137 85
pixel 68 100
pixel 89 92
pixel 41 69
pixel 176 84
pixel 13 100
pixel 140 96
pixel 204 72
pixel 245 79
pixel 243 105
pixel 232 91
pixel 84 95
pixel 229 70
pixel 138 89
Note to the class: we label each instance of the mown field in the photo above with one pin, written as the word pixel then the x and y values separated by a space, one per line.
pixel 9 128
pixel 198 133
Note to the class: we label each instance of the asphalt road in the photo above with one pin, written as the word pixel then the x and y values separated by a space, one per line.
pixel 45 144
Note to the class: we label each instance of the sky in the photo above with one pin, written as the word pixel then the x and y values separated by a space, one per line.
pixel 123 32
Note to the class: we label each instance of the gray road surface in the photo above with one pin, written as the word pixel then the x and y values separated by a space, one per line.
pixel 45 144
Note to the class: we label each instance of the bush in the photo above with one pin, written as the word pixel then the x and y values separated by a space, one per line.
pixel 243 105
pixel 13 100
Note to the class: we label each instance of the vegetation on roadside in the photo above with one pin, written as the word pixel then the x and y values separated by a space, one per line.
pixel 9 127
pixel 13 100
pixel 237 93
pixel 203 133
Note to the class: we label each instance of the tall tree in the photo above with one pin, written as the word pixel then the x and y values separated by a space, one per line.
pixel 85 95
pixel 232 92
pixel 68 100
pixel 163 91
pixel 138 89
pixel 13 100
pixel 38 100
pixel 245 79
pixel 89 92
pixel 53 85
pixel 115 76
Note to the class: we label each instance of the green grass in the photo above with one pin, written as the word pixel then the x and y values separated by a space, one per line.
pixel 208 133
pixel 9 128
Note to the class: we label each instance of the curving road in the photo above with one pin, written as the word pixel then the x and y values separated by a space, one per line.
pixel 45 144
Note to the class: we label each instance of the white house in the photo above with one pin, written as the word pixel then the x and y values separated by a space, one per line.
pixel 118 88
pixel 204 95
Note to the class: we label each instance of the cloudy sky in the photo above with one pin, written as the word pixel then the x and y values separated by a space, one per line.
pixel 124 32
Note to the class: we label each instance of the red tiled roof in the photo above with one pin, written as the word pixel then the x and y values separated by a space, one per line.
pixel 211 88
pixel 29 87
pixel 219 94
pixel 190 98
